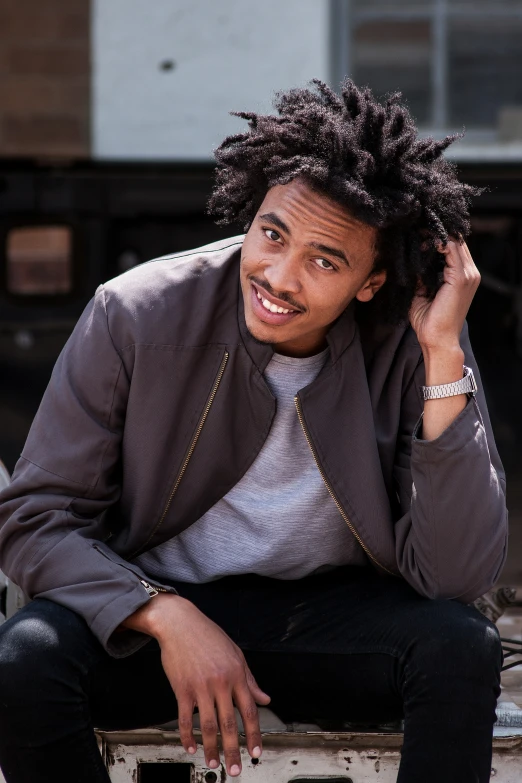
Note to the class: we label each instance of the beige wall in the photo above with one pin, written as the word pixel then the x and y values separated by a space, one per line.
pixel 44 78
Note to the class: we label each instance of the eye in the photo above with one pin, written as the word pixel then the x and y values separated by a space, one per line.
pixel 271 234
pixel 322 263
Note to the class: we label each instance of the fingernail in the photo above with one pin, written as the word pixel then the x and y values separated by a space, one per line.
pixel 234 770
pixel 192 749
pixel 256 752
pixel 213 764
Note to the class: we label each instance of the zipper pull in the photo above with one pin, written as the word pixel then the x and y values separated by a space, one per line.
pixel 150 590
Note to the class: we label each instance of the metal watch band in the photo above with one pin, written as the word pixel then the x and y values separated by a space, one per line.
pixel 467 385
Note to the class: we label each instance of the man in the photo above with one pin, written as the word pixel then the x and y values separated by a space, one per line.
pixel 247 453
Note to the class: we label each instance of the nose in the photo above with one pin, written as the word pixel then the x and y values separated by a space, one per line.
pixel 282 273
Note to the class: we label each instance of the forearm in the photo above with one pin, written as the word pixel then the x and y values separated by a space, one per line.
pixel 443 364
pixel 451 541
pixel 438 324
pixel 451 537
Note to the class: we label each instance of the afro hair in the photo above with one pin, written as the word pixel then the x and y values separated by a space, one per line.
pixel 365 155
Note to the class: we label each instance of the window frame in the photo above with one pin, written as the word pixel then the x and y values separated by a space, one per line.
pixel 43 299
pixel 344 19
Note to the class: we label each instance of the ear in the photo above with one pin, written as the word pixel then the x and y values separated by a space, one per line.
pixel 371 286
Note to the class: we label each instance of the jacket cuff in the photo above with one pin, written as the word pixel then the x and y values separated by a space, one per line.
pixel 119 644
pixel 457 436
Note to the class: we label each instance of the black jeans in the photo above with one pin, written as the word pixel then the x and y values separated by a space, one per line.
pixel 341 646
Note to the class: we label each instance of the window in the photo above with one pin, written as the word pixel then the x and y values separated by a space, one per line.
pixel 39 260
pixel 457 62
pixel 388 53
pixel 484 69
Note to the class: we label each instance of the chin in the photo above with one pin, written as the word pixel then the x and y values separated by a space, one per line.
pixel 260 334
pixel 260 340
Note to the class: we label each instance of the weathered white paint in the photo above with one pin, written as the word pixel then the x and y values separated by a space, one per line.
pixel 228 55
pixel 362 758
pixel 285 757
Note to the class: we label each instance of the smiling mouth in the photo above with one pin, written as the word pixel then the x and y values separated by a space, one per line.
pixel 272 307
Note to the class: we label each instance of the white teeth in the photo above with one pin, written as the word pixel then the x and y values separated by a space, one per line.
pixel 269 306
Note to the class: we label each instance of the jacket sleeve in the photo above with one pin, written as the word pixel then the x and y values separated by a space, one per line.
pixel 451 540
pixel 52 514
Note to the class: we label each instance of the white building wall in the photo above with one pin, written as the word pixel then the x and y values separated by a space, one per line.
pixel 228 55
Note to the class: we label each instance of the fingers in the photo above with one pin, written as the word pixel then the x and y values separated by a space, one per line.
pixel 185 725
pixel 245 694
pixel 241 689
pixel 229 735
pixel 460 262
pixel 469 264
pixel 259 696
pixel 227 725
pixel 460 259
pixel 209 732
pixel 249 714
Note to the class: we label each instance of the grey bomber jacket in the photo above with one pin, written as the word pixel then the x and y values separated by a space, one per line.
pixel 157 406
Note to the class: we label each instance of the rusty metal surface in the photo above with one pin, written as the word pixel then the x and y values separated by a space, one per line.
pixel 290 756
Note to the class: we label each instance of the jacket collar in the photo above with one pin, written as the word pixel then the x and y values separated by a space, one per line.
pixel 339 336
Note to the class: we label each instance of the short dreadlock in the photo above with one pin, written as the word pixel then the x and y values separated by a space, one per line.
pixel 366 156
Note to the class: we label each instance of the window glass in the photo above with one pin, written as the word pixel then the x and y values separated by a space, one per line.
pixel 483 6
pixel 390 55
pixel 458 63
pixel 39 260
pixel 484 69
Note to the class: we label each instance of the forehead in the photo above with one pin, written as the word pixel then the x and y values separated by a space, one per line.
pixel 306 211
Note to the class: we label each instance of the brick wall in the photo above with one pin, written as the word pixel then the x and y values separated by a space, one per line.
pixel 44 78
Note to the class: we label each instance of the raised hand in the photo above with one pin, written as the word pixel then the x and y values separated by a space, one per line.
pixel 438 323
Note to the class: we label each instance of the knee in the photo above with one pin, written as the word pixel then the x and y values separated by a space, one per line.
pixel 461 643
pixel 32 651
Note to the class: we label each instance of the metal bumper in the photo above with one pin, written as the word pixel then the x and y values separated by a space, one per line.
pixel 309 757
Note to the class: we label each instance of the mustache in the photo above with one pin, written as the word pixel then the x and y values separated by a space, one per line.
pixel 263 286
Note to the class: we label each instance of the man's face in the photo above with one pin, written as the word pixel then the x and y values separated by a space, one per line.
pixel 306 255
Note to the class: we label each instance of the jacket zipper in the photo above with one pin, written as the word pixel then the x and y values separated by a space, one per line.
pixel 152 590
pixel 189 452
pixel 330 490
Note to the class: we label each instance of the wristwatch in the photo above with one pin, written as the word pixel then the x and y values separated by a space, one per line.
pixel 467 385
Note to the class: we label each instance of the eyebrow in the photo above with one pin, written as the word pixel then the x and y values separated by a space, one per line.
pixel 271 217
pixel 331 251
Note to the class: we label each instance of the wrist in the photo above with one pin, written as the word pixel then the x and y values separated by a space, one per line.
pixel 157 615
pixel 443 365
pixel 444 348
